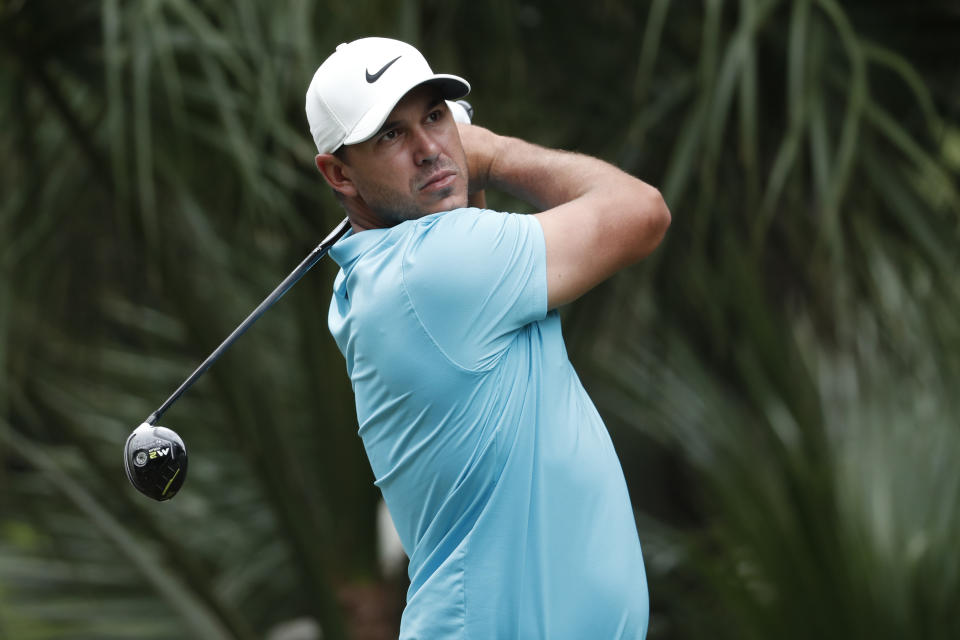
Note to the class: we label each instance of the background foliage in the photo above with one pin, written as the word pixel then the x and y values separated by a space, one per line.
pixel 779 378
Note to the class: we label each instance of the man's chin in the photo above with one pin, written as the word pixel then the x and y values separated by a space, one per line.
pixel 446 203
pixel 393 214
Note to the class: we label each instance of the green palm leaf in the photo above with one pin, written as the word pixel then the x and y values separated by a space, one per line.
pixel 779 378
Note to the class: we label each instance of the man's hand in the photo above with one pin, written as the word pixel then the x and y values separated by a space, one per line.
pixel 481 147
pixel 462 113
pixel 596 219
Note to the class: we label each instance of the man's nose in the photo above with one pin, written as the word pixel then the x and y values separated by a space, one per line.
pixel 427 150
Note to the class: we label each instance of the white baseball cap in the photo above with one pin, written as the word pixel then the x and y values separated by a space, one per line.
pixel 357 87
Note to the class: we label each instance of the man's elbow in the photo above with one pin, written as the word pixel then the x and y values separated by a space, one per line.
pixel 661 214
pixel 653 220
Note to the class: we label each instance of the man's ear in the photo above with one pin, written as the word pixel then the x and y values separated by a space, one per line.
pixel 332 169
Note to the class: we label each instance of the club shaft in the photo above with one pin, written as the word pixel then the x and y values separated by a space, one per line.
pixel 315 255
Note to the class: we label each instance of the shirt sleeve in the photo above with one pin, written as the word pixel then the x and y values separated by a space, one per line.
pixel 474 278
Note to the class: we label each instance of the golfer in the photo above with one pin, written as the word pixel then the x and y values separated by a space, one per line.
pixel 497 469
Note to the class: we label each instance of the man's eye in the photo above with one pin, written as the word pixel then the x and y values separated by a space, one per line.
pixel 434 116
pixel 389 135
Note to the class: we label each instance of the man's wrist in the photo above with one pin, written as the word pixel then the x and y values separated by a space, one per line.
pixel 481 147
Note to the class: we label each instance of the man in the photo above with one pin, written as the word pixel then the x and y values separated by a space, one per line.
pixel 498 471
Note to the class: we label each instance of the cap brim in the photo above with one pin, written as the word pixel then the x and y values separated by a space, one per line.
pixel 451 88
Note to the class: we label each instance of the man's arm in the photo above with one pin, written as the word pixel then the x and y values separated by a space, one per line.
pixel 596 219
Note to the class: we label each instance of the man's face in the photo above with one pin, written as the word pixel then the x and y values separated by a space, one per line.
pixel 414 165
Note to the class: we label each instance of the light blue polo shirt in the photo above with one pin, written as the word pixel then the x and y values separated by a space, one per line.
pixel 498 471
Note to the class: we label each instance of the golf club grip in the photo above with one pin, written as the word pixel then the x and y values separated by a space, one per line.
pixel 315 255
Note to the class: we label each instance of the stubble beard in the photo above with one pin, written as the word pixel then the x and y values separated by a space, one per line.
pixel 393 207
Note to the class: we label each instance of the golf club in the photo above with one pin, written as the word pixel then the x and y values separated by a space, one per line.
pixel 155 457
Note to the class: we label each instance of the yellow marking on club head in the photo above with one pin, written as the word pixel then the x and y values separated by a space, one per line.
pixel 164 492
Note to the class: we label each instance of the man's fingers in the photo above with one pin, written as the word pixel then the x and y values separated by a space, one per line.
pixel 461 111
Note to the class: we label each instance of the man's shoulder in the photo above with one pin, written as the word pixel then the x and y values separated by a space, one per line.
pixel 458 221
pixel 469 230
pixel 441 246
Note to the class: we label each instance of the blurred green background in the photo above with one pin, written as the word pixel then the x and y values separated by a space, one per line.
pixel 780 378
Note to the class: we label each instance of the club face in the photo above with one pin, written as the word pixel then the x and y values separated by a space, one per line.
pixel 155 460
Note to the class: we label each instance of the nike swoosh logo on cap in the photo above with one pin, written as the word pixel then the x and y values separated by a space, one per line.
pixel 371 78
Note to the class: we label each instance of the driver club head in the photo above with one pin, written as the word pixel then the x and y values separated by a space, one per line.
pixel 155 460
